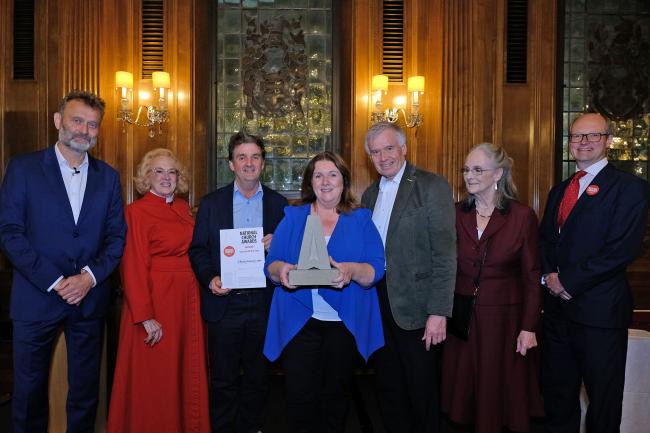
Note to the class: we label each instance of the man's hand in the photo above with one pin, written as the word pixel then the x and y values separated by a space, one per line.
pixel 526 340
pixel 553 283
pixel 266 240
pixel 215 287
pixel 75 288
pixel 435 331
pixel 154 331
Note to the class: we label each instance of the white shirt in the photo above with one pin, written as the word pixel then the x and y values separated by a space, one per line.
pixel 592 171
pixel 74 179
pixel 385 201
pixel 322 310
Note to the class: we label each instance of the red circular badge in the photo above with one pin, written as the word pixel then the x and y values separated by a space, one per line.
pixel 592 190
pixel 229 251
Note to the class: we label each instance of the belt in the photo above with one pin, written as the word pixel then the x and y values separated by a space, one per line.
pixel 247 291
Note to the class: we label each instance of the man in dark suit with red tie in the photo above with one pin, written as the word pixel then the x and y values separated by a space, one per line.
pixel 591 231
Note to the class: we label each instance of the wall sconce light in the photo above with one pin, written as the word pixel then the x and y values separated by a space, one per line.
pixel 156 115
pixel 415 88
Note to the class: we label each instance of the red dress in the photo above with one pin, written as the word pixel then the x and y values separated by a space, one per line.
pixel 161 388
pixel 484 381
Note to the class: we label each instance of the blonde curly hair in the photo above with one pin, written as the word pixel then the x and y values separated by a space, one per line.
pixel 142 181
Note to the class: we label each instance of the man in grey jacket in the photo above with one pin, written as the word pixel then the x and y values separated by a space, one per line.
pixel 414 212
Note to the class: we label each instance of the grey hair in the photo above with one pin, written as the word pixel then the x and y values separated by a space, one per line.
pixel 380 127
pixel 506 188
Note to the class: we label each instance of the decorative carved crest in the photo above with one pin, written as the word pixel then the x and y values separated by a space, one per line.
pixel 274 67
pixel 619 69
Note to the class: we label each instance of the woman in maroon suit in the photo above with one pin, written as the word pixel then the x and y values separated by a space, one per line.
pixel 491 379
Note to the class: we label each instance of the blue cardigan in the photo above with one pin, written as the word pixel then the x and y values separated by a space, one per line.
pixel 355 239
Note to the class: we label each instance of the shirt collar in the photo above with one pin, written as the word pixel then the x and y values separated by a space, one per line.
pixel 595 168
pixel 64 162
pixel 168 199
pixel 238 191
pixel 384 181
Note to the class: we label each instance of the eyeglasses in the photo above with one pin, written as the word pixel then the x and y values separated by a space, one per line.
pixel 476 171
pixel 591 137
pixel 160 171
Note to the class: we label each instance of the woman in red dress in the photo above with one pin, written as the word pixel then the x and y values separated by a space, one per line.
pixel 160 380
pixel 491 379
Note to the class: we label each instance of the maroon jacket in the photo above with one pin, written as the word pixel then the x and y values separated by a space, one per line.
pixel 511 272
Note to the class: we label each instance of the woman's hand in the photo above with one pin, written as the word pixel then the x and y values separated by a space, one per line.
pixel 279 272
pixel 153 330
pixel 526 340
pixel 362 273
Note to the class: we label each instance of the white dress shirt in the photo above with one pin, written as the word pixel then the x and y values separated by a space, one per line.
pixel 385 201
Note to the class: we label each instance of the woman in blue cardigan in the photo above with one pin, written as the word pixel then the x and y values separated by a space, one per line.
pixel 316 329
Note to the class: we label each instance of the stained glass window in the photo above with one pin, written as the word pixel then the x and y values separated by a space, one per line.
pixel 274 79
pixel 607 69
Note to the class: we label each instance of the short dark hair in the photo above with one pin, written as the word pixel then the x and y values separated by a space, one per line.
pixel 307 194
pixel 241 138
pixel 88 98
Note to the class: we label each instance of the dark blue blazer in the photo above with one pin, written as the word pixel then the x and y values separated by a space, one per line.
pixel 39 236
pixel 215 214
pixel 600 238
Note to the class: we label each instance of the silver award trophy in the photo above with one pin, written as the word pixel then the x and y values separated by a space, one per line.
pixel 313 265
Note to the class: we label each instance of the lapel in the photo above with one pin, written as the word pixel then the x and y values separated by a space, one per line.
pixel 226 207
pixel 604 180
pixel 52 173
pixel 372 194
pixel 468 223
pixel 403 196
pixel 266 210
pixel 93 186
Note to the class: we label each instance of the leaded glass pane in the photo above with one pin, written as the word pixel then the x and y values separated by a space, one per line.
pixel 607 69
pixel 274 79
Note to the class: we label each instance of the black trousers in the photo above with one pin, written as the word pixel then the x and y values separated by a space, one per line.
pixel 573 353
pixel 235 344
pixel 407 375
pixel 318 364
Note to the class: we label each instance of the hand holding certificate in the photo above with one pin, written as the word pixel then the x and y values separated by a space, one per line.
pixel 242 258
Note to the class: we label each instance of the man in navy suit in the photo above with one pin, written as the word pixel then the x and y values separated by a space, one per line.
pixel 236 319
pixel 591 231
pixel 62 227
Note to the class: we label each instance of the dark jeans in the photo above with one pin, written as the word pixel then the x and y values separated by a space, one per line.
pixel 235 343
pixel 33 344
pixel 318 365
pixel 408 377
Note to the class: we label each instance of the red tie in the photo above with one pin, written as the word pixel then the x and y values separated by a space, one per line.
pixel 570 198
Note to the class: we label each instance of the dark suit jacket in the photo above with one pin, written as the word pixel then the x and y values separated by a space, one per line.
pixel 600 238
pixel 215 214
pixel 420 247
pixel 39 236
pixel 511 271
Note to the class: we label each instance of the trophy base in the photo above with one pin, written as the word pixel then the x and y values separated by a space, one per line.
pixel 312 277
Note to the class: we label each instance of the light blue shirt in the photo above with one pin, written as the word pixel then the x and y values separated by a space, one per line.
pixel 247 212
pixel 385 201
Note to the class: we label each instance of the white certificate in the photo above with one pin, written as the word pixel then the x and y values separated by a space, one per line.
pixel 242 258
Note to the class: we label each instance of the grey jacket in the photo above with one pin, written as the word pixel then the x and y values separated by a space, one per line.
pixel 420 247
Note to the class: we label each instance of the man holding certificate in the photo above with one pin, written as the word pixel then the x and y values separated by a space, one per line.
pixel 233 226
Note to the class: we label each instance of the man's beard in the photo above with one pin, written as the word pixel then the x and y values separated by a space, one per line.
pixel 68 140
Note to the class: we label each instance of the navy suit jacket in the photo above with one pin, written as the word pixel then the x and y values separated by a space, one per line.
pixel 39 236
pixel 215 214
pixel 600 238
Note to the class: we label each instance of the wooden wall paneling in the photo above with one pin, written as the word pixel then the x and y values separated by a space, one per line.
pixel 5 68
pixel 542 72
pixel 116 53
pixel 200 48
pixel 365 62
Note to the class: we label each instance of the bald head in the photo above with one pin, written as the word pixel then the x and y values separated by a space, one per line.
pixel 589 139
